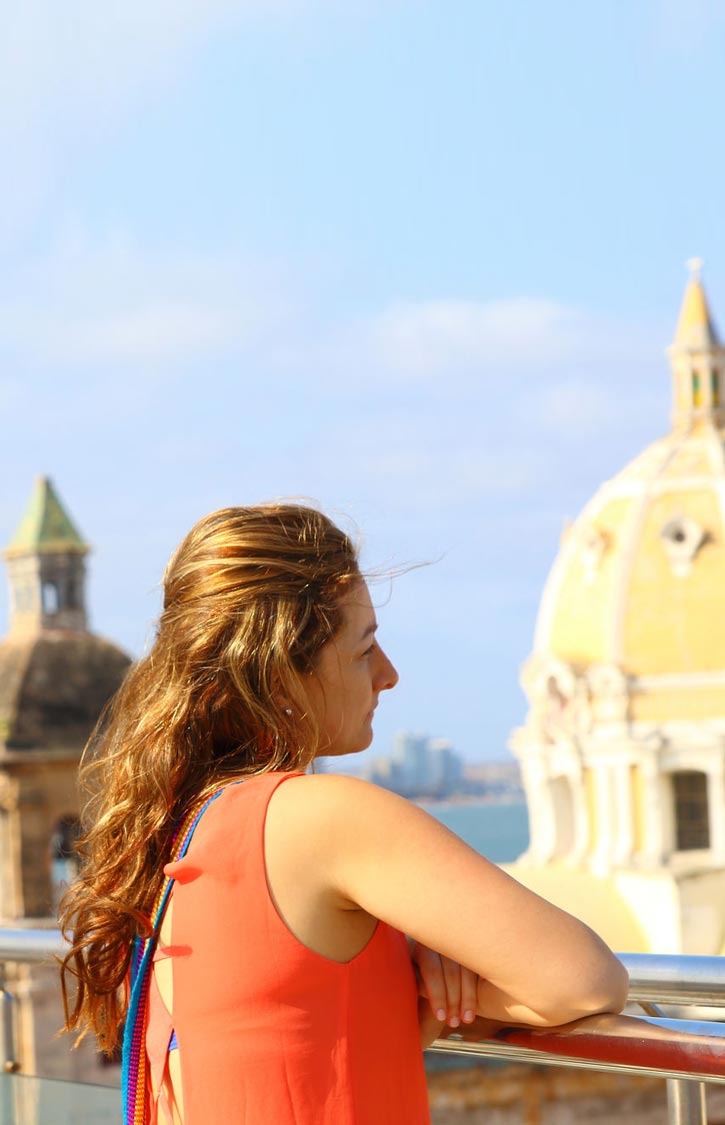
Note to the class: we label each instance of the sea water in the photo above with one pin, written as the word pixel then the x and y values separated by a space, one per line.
pixel 498 831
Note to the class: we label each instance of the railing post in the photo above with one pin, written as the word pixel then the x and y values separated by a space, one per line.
pixel 686 1103
pixel 8 1061
pixel 7 1103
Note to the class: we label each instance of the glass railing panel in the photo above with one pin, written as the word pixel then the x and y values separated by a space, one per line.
pixel 48 1101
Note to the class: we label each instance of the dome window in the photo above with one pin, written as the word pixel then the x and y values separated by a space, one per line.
pixel 594 546
pixel 611 688
pixel 682 537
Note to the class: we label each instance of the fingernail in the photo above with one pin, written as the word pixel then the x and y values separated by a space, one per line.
pixel 468 1016
pixel 454 1021
pixel 441 1013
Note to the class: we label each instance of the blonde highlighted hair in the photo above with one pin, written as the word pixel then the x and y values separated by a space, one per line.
pixel 250 597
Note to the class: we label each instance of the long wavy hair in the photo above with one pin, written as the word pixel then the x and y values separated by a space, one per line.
pixel 250 597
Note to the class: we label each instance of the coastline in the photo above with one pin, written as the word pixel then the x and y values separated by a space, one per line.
pixel 462 799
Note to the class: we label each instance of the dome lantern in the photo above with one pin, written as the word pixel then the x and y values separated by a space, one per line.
pixel 46 567
pixel 698 359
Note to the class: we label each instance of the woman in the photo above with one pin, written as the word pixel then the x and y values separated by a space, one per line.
pixel 280 988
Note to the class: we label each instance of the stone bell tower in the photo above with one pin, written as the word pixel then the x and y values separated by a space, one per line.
pixel 55 677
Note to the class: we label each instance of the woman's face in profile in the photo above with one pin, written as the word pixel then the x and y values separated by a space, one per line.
pixel 350 672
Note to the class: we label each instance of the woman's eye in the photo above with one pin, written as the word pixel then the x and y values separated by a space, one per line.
pixel 371 650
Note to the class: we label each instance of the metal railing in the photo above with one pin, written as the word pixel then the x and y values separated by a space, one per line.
pixel 687 1053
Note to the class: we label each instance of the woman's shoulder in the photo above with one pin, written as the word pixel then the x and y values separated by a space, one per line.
pixel 324 803
pixel 334 789
pixel 311 793
pixel 318 826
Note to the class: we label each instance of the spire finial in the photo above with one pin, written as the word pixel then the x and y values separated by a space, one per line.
pixel 695 265
pixel 695 330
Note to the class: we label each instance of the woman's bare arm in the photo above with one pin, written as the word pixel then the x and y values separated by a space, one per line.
pixel 537 964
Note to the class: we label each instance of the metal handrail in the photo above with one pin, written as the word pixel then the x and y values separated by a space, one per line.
pixel 683 1049
pixel 676 979
pixel 685 1052
pixel 31 946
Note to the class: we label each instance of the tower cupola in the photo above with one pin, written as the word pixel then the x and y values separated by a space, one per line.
pixel 698 359
pixel 46 567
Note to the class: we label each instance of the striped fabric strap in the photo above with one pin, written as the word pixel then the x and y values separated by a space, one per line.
pixel 133 1072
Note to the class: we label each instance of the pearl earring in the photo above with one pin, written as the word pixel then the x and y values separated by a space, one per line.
pixel 288 710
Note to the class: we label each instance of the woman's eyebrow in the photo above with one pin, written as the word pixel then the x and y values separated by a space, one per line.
pixel 369 631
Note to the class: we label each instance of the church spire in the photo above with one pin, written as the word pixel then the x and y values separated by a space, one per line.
pixel 698 358
pixel 46 567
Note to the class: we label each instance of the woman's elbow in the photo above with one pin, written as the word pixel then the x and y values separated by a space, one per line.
pixel 603 990
pixel 598 986
pixel 610 995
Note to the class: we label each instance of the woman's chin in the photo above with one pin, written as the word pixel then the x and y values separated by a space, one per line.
pixel 346 751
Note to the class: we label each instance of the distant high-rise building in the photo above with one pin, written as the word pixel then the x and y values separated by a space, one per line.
pixel 419 766
pixel 411 756
pixel 445 766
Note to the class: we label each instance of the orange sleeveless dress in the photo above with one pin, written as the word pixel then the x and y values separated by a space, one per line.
pixel 268 1032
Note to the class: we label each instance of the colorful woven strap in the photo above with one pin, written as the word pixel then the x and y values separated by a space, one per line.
pixel 133 1073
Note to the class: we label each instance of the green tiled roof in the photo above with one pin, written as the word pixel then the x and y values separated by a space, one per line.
pixel 46 527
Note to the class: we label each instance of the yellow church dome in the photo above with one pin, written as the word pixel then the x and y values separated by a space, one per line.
pixel 639 582
pixel 623 749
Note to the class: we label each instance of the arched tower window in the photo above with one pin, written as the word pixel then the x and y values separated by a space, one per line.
pixel 696 390
pixel 692 820
pixel 73 599
pixel 50 598
pixel 63 856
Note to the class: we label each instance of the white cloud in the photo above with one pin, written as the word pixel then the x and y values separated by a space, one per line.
pixel 100 304
pixel 432 456
pixel 427 478
pixel 162 332
pixel 574 404
pixel 116 302
pixel 429 338
pixel 89 54
pixel 631 398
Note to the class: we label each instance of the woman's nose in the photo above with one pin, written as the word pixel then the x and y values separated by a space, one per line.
pixel 387 676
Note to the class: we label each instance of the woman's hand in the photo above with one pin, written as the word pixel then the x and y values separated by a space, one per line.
pixel 447 992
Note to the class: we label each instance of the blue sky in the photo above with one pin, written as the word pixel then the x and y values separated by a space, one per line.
pixel 417 261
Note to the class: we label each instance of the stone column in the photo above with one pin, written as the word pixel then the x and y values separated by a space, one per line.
pixel 541 811
pixel 581 819
pixel 655 814
pixel 623 836
pixel 716 806
pixel 601 859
